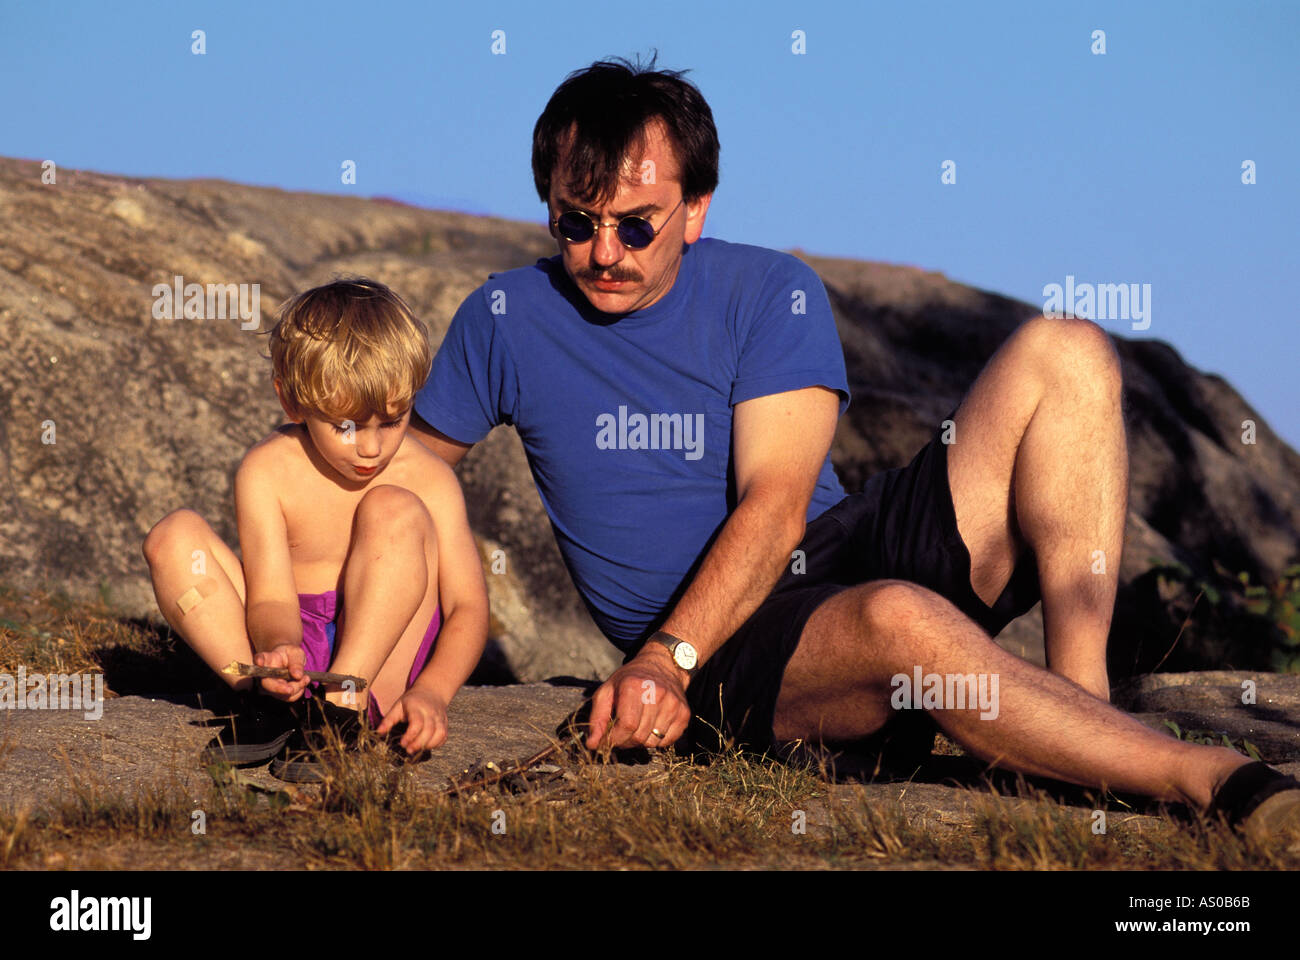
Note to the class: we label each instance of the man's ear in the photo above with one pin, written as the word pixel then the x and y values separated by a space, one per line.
pixel 286 404
pixel 550 221
pixel 695 213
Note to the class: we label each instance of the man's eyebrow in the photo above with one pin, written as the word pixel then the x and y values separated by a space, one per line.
pixel 566 204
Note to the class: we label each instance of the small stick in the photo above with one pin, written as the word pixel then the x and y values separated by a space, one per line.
pixel 235 668
pixel 489 773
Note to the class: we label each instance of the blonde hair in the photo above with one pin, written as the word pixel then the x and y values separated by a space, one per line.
pixel 348 350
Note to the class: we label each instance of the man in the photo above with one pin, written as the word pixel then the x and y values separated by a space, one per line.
pixel 677 399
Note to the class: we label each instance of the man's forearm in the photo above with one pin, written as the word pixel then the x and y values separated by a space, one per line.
pixel 736 576
pixel 739 571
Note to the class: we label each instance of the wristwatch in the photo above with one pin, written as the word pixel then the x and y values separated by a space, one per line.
pixel 683 652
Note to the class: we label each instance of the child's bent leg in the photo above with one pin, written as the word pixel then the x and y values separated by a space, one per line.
pixel 390 593
pixel 199 584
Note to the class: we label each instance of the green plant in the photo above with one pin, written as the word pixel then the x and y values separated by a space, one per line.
pixel 1213 738
pixel 1260 622
pixel 1280 605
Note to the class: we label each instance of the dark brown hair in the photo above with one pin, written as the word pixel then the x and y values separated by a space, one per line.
pixel 600 115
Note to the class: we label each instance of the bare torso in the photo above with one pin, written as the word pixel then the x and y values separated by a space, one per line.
pixel 318 504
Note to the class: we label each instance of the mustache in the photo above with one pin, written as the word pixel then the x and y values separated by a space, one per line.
pixel 614 274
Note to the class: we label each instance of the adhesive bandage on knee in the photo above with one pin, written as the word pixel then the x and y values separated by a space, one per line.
pixel 196 594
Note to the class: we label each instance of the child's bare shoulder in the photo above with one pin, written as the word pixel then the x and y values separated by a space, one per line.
pixel 423 472
pixel 272 457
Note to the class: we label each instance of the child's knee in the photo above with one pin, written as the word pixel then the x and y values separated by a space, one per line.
pixel 391 507
pixel 178 527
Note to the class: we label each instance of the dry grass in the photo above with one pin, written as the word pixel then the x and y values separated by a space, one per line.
pixel 48 632
pixel 737 811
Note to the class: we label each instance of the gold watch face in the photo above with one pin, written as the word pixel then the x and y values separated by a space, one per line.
pixel 684 656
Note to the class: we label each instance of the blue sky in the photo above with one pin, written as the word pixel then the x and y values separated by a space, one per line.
pixel 1115 168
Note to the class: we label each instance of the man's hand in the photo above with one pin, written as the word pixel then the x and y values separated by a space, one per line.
pixel 645 695
pixel 285 655
pixel 425 714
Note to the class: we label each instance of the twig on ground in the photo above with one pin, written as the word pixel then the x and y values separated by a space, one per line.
pixel 487 774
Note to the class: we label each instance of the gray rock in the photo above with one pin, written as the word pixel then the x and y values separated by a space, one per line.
pixel 1210 704
pixel 47 755
pixel 149 415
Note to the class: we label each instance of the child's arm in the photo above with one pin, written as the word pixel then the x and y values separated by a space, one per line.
pixel 271 611
pixel 462 594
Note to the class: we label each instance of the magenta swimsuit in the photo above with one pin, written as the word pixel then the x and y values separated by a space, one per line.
pixel 319 614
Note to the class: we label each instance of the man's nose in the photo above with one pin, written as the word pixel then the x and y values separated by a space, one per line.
pixel 606 247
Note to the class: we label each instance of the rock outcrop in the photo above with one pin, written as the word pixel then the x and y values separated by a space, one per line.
pixel 111 416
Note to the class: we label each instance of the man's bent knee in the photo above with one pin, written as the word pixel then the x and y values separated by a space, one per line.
pixel 895 606
pixel 896 622
pixel 837 685
pixel 1073 347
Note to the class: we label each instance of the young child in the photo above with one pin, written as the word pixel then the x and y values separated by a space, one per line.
pixel 357 552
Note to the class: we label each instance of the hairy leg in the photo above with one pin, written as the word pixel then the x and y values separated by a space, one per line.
pixel 199 584
pixel 837 686
pixel 389 592
pixel 1040 462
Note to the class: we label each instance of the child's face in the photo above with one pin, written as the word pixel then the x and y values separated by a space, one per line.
pixel 358 452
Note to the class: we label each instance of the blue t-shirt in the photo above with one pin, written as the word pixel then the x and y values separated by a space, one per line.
pixel 626 419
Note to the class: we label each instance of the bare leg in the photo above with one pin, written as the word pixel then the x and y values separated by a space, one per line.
pixel 199 584
pixel 389 594
pixel 1040 462
pixel 837 686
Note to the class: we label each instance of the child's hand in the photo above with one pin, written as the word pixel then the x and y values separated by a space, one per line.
pixel 285 655
pixel 426 720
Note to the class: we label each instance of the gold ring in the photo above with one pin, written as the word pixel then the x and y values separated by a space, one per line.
pixel 655 733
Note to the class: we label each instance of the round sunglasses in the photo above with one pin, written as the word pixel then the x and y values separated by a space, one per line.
pixel 636 233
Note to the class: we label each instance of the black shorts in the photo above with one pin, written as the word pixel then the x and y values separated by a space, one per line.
pixel 902 526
